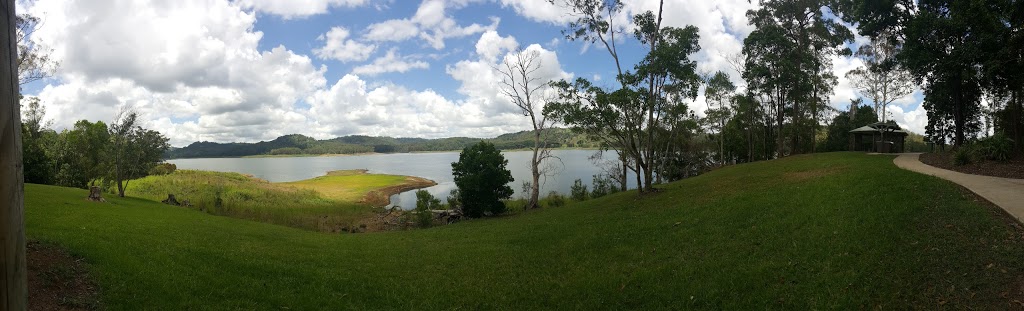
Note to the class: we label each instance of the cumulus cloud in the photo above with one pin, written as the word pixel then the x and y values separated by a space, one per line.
pixel 196 62
pixel 392 30
pixel 431 23
pixel 391 62
pixel 353 106
pixel 338 46
pixel 298 8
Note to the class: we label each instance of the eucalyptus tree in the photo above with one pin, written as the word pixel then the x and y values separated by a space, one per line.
pixel 34 60
pixel 526 89
pixel 718 93
pixel 943 50
pixel 881 79
pixel 787 61
pixel 631 117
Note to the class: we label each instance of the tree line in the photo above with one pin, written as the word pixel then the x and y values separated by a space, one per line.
pixel 965 55
pixel 89 152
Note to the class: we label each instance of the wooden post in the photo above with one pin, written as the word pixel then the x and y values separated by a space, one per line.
pixel 13 288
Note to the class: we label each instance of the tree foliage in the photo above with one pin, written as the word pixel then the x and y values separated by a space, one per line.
pixel 482 179
pixel 34 60
pixel 133 150
pixel 632 118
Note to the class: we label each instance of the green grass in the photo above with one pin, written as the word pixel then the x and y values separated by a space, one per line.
pixel 328 203
pixel 830 231
pixel 348 185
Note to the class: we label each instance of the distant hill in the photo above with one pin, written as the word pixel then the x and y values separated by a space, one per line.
pixel 296 144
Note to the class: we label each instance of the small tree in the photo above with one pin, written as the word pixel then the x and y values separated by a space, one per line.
pixel 579 191
pixel 425 202
pixel 133 149
pixel 482 178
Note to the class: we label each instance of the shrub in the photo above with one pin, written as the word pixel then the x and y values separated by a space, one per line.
pixel 995 148
pixel 962 156
pixel 555 199
pixel 482 178
pixel 163 168
pixel 603 185
pixel 453 200
pixel 424 203
pixel 579 191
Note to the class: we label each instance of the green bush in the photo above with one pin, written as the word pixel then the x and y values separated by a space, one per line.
pixel 994 148
pixel 963 156
pixel 579 191
pixel 555 200
pixel 424 203
pixel 163 168
pixel 482 178
pixel 603 185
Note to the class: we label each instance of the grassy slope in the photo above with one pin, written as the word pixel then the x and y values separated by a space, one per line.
pixel 326 203
pixel 803 232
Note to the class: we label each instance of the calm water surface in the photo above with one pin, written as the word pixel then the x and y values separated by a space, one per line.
pixel 570 165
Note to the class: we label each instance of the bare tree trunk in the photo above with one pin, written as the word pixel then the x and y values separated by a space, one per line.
pixel 535 172
pixel 13 287
pixel 625 172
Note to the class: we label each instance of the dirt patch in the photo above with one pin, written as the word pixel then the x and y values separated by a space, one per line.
pixel 58 281
pixel 382 196
pixel 813 174
pixel 1010 169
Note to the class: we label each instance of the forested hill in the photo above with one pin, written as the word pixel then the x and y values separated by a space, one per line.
pixel 296 144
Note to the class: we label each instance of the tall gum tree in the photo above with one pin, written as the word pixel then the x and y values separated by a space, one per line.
pixel 524 87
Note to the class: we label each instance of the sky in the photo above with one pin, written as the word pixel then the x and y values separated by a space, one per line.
pixel 252 70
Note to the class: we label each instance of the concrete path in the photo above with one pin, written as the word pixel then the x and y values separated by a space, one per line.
pixel 1007 193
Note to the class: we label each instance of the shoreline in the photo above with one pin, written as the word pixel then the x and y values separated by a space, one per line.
pixel 257 156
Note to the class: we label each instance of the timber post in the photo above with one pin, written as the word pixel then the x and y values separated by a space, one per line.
pixel 13 287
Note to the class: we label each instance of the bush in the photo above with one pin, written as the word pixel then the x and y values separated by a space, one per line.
pixel 482 178
pixel 579 191
pixel 603 185
pixel 962 156
pixel 555 199
pixel 163 168
pixel 424 203
pixel 995 148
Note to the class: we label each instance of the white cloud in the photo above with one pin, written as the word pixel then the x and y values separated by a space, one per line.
pixel 392 30
pixel 338 46
pixel 298 8
pixel 194 61
pixel 431 23
pixel 491 44
pixel 391 62
pixel 352 106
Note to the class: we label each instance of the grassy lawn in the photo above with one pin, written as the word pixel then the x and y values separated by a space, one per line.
pixel 828 231
pixel 327 203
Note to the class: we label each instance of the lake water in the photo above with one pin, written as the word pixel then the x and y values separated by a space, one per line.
pixel 570 165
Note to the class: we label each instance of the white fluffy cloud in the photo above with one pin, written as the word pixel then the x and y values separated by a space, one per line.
pixel 352 105
pixel 431 23
pixel 297 8
pixel 195 62
pixel 338 46
pixel 391 62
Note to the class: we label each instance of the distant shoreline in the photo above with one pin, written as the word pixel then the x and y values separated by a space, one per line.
pixel 361 154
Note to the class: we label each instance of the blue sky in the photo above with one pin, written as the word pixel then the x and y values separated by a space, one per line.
pixel 250 70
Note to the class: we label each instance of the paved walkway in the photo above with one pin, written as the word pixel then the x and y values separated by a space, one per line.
pixel 1007 193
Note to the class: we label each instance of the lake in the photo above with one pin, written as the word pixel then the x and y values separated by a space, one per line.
pixel 570 165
